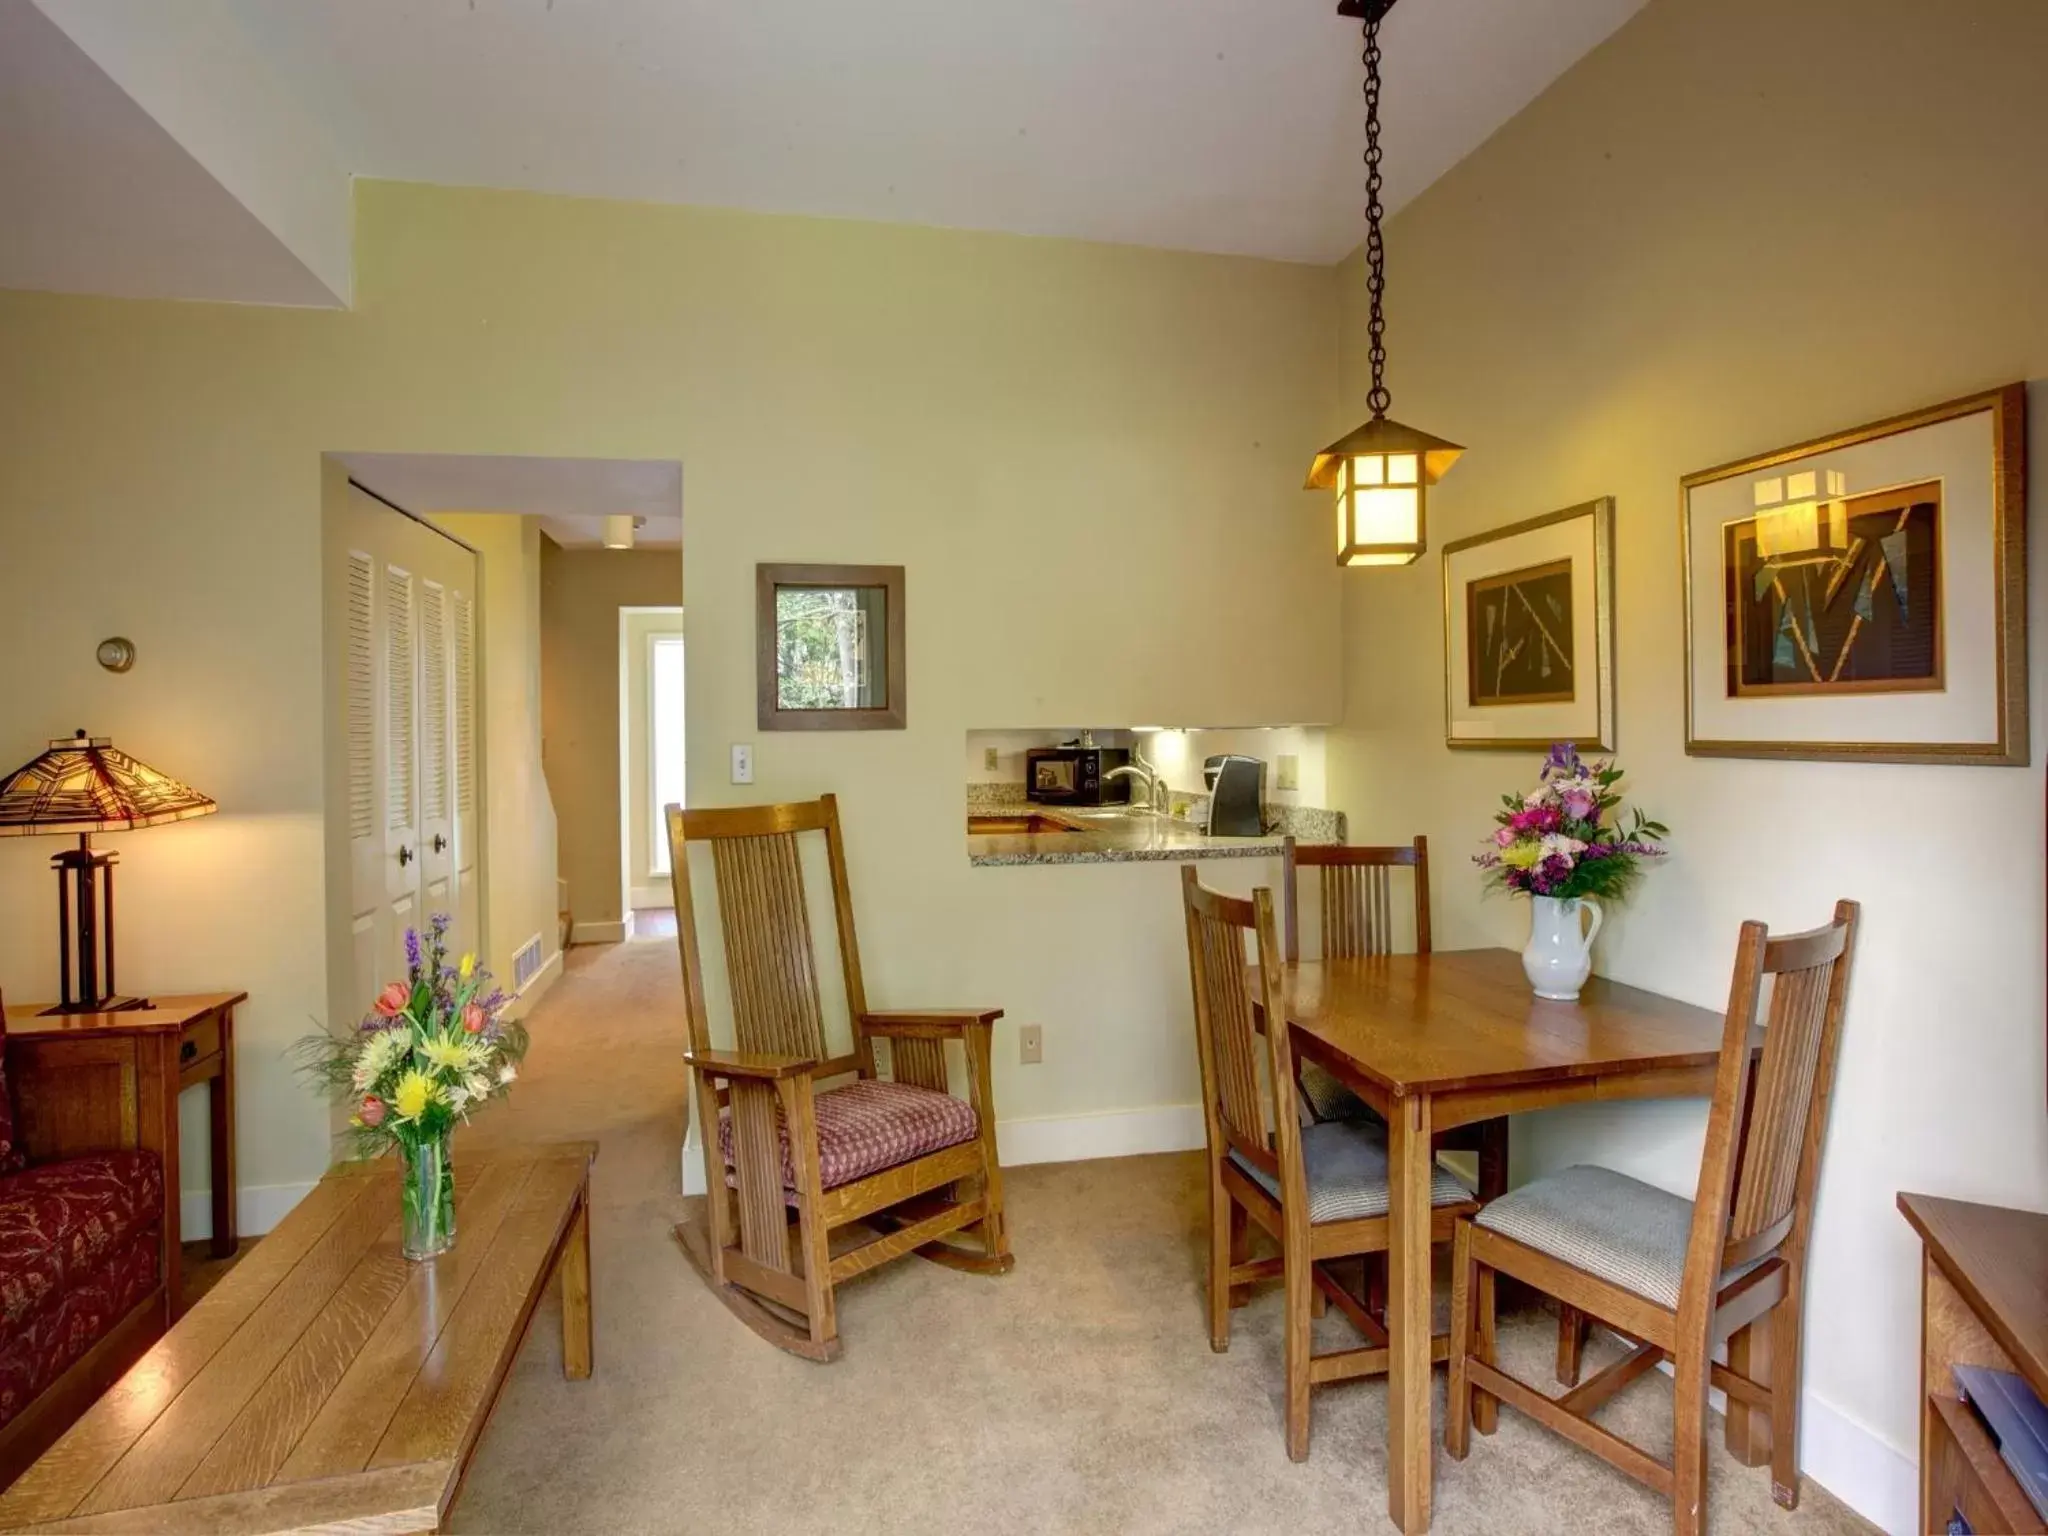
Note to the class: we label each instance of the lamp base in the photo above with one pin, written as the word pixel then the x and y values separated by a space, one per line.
pixel 104 1005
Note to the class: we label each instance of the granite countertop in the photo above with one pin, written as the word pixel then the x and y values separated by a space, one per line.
pixel 1121 835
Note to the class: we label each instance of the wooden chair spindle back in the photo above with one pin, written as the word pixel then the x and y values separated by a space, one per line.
pixel 1227 1032
pixel 1764 1134
pixel 1357 895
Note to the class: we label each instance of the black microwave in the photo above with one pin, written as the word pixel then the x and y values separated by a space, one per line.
pixel 1076 775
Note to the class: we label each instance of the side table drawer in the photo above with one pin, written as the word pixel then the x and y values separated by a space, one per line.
pixel 199 1040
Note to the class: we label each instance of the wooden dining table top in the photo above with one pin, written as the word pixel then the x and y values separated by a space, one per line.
pixel 1459 1020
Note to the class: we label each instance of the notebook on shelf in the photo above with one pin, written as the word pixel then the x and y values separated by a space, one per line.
pixel 2018 1423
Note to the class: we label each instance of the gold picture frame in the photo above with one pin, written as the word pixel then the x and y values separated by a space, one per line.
pixel 1575 701
pixel 1946 679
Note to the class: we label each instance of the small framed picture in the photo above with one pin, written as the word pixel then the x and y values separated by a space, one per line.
pixel 1529 633
pixel 1863 596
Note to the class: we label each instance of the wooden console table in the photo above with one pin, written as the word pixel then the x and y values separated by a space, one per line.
pixel 1984 1301
pixel 94 1082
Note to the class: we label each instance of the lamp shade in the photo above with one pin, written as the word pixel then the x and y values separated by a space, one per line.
pixel 1382 474
pixel 83 784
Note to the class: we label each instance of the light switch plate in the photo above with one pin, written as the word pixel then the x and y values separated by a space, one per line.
pixel 742 763
pixel 1288 775
pixel 1031 1044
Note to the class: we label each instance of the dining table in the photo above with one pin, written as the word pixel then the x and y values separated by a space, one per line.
pixel 1436 1041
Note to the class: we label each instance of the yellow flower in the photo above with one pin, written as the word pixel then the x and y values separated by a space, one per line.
pixel 415 1092
pixel 468 968
pixel 452 1055
pixel 1522 855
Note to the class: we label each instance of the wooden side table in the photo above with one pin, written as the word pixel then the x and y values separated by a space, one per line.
pixel 99 1082
pixel 1984 1301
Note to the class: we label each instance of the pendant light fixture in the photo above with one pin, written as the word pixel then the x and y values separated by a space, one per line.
pixel 1383 471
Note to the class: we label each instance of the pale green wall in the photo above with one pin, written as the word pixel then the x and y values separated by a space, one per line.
pixel 1737 225
pixel 1087 457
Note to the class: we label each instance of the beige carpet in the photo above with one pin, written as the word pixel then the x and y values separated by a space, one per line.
pixel 1076 1394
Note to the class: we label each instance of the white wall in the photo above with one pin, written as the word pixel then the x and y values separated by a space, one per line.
pixel 519 844
pixel 1737 225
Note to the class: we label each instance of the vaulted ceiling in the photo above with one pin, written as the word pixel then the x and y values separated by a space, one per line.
pixel 1203 125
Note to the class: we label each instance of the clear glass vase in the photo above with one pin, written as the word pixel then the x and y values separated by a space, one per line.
pixel 429 1196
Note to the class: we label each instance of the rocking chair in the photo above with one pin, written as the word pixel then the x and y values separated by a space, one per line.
pixel 788 1160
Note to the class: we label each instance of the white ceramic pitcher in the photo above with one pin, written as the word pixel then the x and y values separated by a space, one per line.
pixel 1560 954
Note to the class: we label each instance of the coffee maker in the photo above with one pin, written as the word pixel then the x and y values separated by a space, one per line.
pixel 1237 795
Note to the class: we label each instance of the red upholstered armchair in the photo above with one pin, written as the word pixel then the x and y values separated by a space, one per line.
pixel 83 1290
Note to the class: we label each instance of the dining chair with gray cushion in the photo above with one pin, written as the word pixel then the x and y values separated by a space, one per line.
pixel 1358 905
pixel 1318 1192
pixel 1676 1277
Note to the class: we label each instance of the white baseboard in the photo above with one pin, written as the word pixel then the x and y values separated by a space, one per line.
pixel 258 1208
pixel 660 897
pixel 603 933
pixel 1858 1466
pixel 1112 1133
pixel 1057 1138
pixel 1852 1461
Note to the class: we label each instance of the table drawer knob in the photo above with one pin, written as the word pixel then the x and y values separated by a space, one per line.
pixel 187 1049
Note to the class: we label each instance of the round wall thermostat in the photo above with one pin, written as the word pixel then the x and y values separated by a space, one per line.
pixel 117 654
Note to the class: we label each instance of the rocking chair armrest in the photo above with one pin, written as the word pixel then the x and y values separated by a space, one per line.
pixel 927 1023
pixel 752 1064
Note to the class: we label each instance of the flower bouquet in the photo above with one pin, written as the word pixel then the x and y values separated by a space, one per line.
pixel 1563 844
pixel 433 1048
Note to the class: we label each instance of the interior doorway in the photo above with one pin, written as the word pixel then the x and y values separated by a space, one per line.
pixel 652 749
pixel 489 785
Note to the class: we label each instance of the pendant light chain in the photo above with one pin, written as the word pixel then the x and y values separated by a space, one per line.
pixel 1375 246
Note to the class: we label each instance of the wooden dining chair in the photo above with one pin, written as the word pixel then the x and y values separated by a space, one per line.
pixel 789 1160
pixel 1676 1276
pixel 1320 1192
pixel 1358 902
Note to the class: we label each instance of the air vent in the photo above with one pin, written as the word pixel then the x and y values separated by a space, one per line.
pixel 526 963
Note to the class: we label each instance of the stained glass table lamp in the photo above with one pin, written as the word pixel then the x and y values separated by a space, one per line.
pixel 82 785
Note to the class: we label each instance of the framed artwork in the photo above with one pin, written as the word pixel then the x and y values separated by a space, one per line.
pixel 829 648
pixel 1863 596
pixel 1529 633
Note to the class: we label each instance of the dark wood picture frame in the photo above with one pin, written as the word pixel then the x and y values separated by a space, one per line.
pixel 768 580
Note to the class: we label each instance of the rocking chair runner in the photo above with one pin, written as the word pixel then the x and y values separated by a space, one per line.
pixel 787 1160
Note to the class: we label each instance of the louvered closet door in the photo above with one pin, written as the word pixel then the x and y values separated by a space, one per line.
pixel 410 724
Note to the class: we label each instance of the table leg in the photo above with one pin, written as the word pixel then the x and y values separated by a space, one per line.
pixel 220 1104
pixel 574 1268
pixel 1748 1435
pixel 1409 1445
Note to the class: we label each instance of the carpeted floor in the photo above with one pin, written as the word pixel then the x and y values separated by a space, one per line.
pixel 1078 1393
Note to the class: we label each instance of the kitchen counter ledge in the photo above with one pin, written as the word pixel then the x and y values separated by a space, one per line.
pixel 1138 839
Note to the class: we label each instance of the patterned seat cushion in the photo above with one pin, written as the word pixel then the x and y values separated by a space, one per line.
pixel 1329 1099
pixel 78 1317
pixel 1346 1166
pixel 870 1125
pixel 61 1221
pixel 1624 1231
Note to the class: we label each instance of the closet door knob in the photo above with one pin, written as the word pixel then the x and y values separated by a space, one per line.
pixel 404 856
pixel 440 843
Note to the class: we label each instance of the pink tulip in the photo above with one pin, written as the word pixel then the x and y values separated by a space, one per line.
pixel 1504 837
pixel 372 1112
pixel 392 1000
pixel 474 1018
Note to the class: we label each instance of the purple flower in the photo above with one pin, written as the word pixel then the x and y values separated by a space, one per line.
pixel 439 923
pixel 1579 804
pixel 412 948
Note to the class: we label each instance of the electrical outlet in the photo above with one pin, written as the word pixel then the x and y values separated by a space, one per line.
pixel 1031 1045
pixel 988 759
pixel 1289 774
pixel 742 763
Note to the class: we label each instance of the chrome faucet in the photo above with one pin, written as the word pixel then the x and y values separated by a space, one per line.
pixel 1157 798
